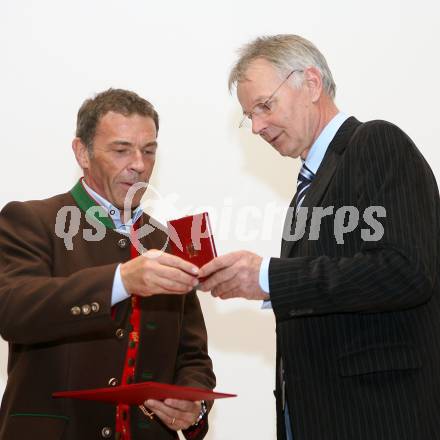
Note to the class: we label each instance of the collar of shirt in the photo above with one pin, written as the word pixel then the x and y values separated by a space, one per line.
pixel 114 212
pixel 319 147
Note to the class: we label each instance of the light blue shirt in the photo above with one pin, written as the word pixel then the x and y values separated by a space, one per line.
pixel 313 161
pixel 113 212
pixel 119 293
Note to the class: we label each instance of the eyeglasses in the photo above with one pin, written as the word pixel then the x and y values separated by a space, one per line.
pixel 264 108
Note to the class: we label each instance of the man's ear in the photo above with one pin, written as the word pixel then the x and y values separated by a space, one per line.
pixel 81 153
pixel 313 79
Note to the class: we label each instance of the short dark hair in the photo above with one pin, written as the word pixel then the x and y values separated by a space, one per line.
pixel 120 101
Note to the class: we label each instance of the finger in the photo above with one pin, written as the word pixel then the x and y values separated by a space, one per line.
pixel 159 407
pixel 166 285
pixel 232 286
pixel 173 274
pixel 227 287
pixel 172 422
pixel 220 293
pixel 173 418
pixel 218 263
pixel 218 278
pixel 183 410
pixel 225 296
pixel 167 279
pixel 178 263
pixel 213 266
pixel 184 405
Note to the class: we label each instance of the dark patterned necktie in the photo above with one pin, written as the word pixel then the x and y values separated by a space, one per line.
pixel 305 178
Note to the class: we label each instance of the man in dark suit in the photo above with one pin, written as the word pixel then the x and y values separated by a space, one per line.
pixel 355 292
pixel 81 308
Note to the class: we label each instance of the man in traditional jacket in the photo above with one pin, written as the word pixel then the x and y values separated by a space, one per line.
pixel 80 308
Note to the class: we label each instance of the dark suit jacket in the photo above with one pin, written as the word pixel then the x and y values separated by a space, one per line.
pixel 358 323
pixel 53 348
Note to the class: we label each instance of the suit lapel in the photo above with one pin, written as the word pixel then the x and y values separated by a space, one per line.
pixel 319 186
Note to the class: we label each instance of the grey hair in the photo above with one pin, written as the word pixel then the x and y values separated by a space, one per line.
pixel 286 52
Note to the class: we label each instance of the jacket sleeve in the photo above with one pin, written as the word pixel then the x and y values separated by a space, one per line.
pixel 398 271
pixel 36 306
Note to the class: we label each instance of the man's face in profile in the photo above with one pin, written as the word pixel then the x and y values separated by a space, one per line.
pixel 123 153
pixel 288 125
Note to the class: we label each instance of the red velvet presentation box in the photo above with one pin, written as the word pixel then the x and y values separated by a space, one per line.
pixel 191 239
pixel 138 393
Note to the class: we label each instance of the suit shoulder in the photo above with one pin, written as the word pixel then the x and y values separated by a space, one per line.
pixel 379 127
pixel 378 144
pixel 40 208
pixel 384 138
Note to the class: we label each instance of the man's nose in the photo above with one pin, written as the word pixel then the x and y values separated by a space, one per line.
pixel 137 162
pixel 258 124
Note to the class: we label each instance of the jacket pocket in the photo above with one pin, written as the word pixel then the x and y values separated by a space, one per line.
pixel 37 426
pixel 379 358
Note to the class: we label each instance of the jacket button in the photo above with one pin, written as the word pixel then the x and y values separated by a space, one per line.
pixel 86 309
pixel 106 432
pixel 75 311
pixel 95 307
pixel 120 333
pixel 113 382
pixel 123 243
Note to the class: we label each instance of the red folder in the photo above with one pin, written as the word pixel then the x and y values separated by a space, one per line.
pixel 138 393
pixel 191 239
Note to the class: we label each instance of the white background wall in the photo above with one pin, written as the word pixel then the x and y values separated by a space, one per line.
pixel 54 54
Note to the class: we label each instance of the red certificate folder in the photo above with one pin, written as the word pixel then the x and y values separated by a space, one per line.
pixel 138 393
pixel 191 239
